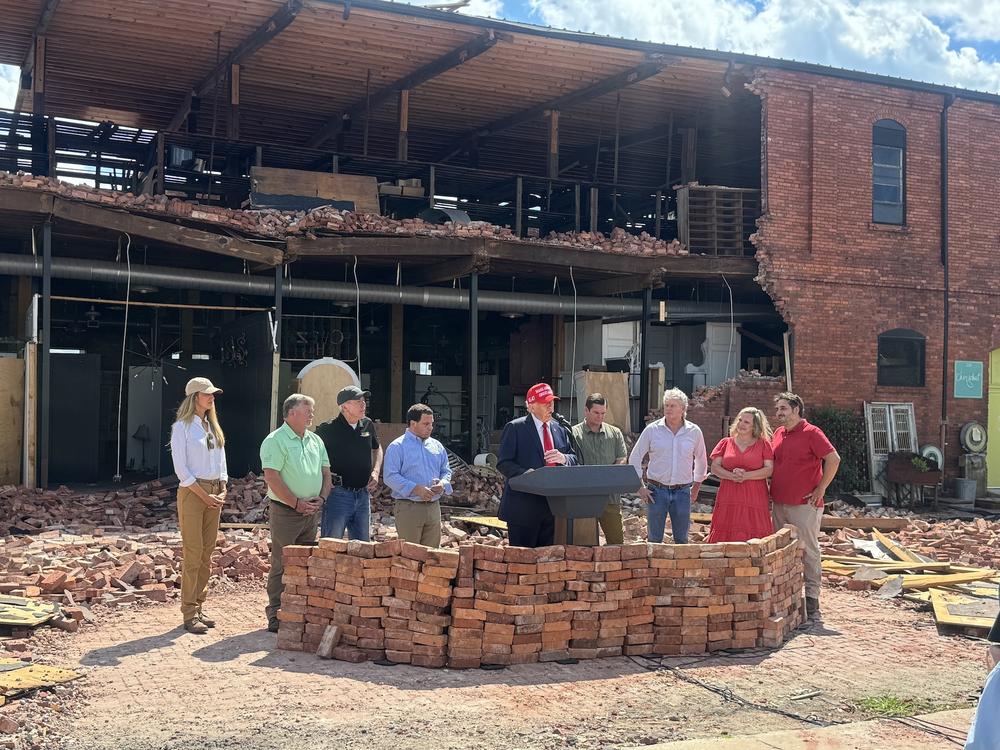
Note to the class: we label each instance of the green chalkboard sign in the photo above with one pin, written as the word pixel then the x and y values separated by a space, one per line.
pixel 968 379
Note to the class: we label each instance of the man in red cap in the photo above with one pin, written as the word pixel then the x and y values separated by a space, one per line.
pixel 528 443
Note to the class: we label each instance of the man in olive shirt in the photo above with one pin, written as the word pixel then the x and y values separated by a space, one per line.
pixel 356 458
pixel 602 444
pixel 297 473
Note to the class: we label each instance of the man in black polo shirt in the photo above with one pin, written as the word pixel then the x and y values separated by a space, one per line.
pixel 356 458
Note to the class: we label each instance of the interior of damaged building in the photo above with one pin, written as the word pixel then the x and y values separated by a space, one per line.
pixel 583 217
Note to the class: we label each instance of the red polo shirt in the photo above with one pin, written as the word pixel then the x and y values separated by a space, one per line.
pixel 798 462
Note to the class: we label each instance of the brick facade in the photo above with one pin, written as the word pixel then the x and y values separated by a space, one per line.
pixel 839 280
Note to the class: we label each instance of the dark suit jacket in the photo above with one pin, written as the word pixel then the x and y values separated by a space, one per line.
pixel 520 450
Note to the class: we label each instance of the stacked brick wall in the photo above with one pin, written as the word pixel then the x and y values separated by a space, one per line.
pixel 838 279
pixel 494 605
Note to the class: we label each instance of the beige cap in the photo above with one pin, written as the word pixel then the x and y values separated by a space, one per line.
pixel 200 385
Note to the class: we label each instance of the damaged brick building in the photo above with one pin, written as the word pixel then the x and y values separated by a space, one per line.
pixel 629 202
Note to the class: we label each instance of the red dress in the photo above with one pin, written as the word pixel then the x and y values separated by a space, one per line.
pixel 742 509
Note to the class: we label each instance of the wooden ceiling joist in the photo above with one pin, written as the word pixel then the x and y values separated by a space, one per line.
pixel 446 62
pixel 447 270
pixel 273 26
pixel 622 284
pixel 613 83
pixel 44 19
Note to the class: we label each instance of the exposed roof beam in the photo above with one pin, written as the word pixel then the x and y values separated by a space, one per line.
pixel 618 81
pixel 622 284
pixel 273 26
pixel 44 19
pixel 447 270
pixel 585 155
pixel 433 69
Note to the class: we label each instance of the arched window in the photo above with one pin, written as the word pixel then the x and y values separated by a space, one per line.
pixel 901 357
pixel 888 172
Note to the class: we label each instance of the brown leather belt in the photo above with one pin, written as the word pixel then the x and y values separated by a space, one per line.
pixel 667 486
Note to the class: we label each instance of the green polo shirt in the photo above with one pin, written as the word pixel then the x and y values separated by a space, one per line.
pixel 299 460
pixel 601 448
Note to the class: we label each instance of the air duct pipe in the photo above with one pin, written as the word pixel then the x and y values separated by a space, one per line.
pixel 434 297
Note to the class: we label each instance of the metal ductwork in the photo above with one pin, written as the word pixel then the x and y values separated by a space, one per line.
pixel 336 291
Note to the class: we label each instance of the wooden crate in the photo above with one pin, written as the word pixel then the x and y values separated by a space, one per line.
pixel 714 220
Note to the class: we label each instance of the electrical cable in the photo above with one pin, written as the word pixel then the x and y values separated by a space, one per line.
pixel 572 372
pixel 357 315
pixel 732 326
pixel 121 374
pixel 655 664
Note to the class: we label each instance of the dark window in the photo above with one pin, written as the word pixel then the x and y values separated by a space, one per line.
pixel 888 172
pixel 901 357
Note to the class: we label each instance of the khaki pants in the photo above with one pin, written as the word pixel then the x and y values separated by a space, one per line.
pixel 419 523
pixel 806 518
pixel 287 527
pixel 199 529
pixel 611 524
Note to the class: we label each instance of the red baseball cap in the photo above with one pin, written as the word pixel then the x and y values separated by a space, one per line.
pixel 540 393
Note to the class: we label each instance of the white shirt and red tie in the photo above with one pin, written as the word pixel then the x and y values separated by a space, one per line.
pixel 545 436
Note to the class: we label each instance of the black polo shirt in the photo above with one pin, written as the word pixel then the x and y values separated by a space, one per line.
pixel 350 449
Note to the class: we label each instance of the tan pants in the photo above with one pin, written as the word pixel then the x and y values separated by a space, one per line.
pixel 287 527
pixel 611 524
pixel 199 530
pixel 806 518
pixel 419 523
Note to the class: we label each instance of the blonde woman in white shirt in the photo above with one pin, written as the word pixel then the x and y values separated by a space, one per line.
pixel 197 445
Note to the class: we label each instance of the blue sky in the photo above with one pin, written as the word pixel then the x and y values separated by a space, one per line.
pixel 953 42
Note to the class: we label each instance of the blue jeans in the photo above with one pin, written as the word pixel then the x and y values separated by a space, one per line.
pixel 347 510
pixel 675 502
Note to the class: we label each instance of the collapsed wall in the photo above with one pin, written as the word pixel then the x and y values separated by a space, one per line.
pixel 493 605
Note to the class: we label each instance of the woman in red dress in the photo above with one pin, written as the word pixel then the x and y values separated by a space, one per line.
pixel 743 462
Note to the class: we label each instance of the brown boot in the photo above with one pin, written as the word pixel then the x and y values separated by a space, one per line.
pixel 204 619
pixel 194 625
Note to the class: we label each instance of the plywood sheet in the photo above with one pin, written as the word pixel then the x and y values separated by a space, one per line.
pixel 11 419
pixel 323 379
pixel 614 387
pixel 360 189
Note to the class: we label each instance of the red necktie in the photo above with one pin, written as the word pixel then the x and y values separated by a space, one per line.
pixel 546 442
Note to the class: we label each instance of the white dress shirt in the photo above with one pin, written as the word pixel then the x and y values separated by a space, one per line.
pixel 191 455
pixel 538 429
pixel 673 458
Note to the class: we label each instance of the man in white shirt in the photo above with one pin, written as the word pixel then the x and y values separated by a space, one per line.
pixel 678 464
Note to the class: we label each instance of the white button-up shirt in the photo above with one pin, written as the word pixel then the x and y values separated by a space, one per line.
pixel 673 458
pixel 191 455
pixel 538 429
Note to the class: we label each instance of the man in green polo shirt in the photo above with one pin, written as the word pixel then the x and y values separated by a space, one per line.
pixel 297 472
pixel 602 444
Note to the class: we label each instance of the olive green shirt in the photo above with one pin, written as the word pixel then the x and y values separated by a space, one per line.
pixel 299 460
pixel 600 448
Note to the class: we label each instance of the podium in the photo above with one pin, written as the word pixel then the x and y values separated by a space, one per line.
pixel 577 491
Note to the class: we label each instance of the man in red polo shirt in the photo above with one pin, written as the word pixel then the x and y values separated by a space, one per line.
pixel 805 463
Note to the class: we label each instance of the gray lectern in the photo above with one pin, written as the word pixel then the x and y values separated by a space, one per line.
pixel 577 491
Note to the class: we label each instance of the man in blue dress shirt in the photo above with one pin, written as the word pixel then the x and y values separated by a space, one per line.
pixel 416 470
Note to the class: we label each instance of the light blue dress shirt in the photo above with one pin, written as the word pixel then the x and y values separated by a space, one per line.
pixel 410 461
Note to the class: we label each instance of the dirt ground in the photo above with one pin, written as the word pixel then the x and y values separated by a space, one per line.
pixel 148 684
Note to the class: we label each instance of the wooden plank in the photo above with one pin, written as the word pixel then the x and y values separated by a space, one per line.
pixel 264 33
pixel 895 549
pixel 942 601
pixel 850 569
pixel 622 284
pixel 397 248
pixel 30 463
pixel 361 189
pixel 12 371
pixel 26 200
pixel 447 270
pixel 864 523
pixel 396 365
pixel 433 69
pixel 491 522
pixel 163 231
pixel 918 582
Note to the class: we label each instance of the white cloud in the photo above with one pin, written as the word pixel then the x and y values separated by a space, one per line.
pixel 893 37
pixel 483 8
pixel 8 86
